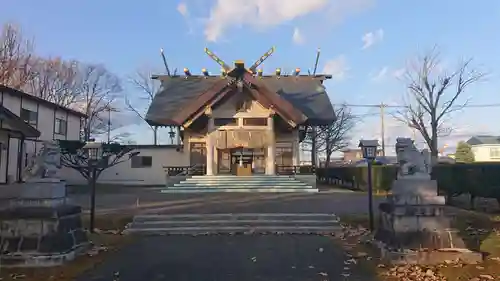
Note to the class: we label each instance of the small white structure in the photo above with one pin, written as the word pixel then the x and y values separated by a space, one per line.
pixel 485 148
pixel 25 121
pixel 143 169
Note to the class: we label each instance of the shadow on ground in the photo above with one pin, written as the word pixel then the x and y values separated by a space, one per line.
pixel 242 257
pixel 155 202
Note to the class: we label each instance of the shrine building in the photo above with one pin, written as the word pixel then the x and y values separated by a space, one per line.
pixel 241 122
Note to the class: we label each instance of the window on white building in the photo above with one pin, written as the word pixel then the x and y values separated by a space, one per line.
pixel 141 161
pixel 494 152
pixel 60 126
pixel 30 117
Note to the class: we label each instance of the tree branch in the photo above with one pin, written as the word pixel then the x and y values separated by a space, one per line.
pixel 336 136
pixel 432 97
pixel 148 88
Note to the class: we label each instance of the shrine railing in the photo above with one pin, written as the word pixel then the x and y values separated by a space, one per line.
pixel 295 170
pixel 194 170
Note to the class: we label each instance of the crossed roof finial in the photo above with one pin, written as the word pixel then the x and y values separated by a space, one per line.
pixel 239 64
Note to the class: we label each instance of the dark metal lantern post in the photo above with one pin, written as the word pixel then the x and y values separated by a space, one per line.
pixel 95 152
pixel 369 149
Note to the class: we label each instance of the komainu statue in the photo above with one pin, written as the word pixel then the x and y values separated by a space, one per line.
pixel 45 164
pixel 411 161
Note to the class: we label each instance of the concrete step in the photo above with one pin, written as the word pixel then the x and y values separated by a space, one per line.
pixel 236 217
pixel 245 184
pixel 245 189
pixel 241 181
pixel 239 177
pixel 234 178
pixel 234 223
pixel 230 183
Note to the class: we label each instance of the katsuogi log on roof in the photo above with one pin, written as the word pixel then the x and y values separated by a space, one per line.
pixel 181 96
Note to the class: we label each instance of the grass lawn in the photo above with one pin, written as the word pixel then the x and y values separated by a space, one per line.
pixel 104 244
pixel 480 231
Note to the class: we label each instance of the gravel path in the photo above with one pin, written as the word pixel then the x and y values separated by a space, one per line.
pixel 250 257
pixel 231 258
pixel 324 202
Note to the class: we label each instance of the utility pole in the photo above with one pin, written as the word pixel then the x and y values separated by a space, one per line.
pixel 382 106
pixel 109 124
pixel 382 127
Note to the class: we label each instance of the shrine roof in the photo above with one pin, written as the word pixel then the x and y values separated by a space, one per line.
pixel 306 93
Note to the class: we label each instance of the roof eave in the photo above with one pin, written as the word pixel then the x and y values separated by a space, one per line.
pixel 22 128
pixel 161 123
pixel 38 99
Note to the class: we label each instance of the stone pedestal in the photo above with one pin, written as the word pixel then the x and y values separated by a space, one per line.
pixel 39 228
pixel 414 227
pixel 40 192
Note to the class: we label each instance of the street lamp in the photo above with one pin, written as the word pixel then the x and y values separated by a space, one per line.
pixel 369 149
pixel 95 153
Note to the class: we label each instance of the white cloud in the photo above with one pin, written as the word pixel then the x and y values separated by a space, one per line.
pixel 380 75
pixel 399 73
pixel 266 13
pixel 297 37
pixel 337 67
pixel 183 9
pixel 372 38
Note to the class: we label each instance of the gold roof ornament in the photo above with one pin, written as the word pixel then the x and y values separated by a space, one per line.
pixel 208 110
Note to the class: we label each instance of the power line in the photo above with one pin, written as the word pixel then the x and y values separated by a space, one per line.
pixel 372 105
pixel 404 106
pixel 382 107
pixel 482 105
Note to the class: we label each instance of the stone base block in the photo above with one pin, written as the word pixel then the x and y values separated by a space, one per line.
pixel 420 223
pixel 43 192
pixel 428 257
pixel 420 187
pixel 434 240
pixel 33 260
pixel 413 218
pixel 40 235
pixel 418 210
pixel 412 199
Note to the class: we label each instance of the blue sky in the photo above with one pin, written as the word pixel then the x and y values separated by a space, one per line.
pixel 364 43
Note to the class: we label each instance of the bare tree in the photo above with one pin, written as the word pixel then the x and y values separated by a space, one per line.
pixel 433 94
pixel 89 88
pixel 55 80
pixel 148 87
pixel 98 96
pixel 73 156
pixel 15 57
pixel 333 137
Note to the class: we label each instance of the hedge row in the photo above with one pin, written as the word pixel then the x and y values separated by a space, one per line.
pixel 476 179
pixel 356 178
